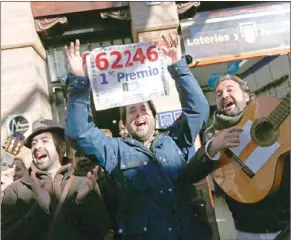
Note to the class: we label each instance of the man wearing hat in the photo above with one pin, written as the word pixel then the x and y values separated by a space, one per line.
pixel 56 200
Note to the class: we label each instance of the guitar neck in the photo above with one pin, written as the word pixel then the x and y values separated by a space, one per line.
pixel 280 113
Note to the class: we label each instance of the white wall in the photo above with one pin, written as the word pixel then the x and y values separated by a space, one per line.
pixel 276 69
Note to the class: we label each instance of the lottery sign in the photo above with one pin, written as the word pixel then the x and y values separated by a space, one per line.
pixel 126 74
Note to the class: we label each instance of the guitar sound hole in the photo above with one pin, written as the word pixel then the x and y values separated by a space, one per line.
pixel 264 133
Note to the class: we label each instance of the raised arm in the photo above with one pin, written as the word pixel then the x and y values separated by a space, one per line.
pixel 80 128
pixel 195 108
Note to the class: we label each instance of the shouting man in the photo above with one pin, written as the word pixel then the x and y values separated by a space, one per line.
pixel 153 203
pixel 266 218
pixel 53 201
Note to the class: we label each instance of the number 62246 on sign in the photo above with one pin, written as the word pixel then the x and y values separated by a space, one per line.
pixel 126 58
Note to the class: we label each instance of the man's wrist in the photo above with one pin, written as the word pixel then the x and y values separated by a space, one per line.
pixel 212 154
pixel 176 59
pixel 178 68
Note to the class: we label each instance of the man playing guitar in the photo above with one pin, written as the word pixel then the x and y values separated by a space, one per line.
pixel 266 218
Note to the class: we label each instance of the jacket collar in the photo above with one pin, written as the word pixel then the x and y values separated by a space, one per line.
pixel 137 143
pixel 155 143
pixel 64 170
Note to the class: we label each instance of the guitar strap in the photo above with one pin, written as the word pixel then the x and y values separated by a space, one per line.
pixel 60 204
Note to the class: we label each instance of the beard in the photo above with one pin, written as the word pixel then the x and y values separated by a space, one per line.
pixel 231 111
pixel 142 135
pixel 43 164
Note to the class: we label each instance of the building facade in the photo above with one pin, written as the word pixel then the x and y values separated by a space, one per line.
pixel 32 61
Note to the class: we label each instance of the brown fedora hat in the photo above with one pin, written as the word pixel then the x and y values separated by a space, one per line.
pixel 43 125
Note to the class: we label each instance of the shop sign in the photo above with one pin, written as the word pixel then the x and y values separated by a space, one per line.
pixel 238 31
pixel 18 123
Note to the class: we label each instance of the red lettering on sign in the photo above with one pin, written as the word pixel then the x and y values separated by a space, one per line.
pixel 138 56
pixel 99 60
pixel 151 54
pixel 128 63
pixel 118 58
pixel 102 62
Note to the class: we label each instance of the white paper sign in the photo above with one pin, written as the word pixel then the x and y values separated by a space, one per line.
pixel 126 74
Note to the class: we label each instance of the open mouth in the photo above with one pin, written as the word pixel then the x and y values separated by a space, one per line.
pixel 140 124
pixel 40 157
pixel 227 106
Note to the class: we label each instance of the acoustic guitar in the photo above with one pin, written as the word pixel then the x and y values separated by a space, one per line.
pixel 251 171
pixel 12 147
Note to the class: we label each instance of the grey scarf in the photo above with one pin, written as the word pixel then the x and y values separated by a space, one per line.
pixel 221 121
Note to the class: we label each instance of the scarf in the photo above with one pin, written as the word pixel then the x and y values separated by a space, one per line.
pixel 220 122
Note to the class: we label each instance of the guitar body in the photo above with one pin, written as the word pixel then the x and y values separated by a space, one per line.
pixel 269 145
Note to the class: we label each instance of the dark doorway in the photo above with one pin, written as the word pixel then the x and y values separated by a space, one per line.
pixel 108 119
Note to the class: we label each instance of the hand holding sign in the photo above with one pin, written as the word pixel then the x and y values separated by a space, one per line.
pixel 124 74
pixel 172 50
pixel 76 62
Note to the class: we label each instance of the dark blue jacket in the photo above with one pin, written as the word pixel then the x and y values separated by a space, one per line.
pixel 153 203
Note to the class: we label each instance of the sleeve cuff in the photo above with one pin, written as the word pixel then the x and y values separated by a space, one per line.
pixel 79 89
pixel 78 84
pixel 178 68
pixel 216 157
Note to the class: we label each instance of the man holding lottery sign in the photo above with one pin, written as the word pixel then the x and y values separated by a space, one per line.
pixel 126 74
pixel 153 193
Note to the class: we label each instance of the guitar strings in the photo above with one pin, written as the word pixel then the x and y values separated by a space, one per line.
pixel 268 127
pixel 259 133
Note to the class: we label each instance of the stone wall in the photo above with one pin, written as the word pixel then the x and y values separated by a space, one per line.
pixel 24 86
